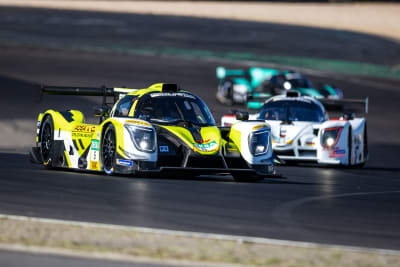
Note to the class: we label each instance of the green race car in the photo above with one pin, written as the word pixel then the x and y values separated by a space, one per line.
pixel 154 130
pixel 240 85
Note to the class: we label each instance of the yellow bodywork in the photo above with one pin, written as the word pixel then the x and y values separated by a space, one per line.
pixel 86 138
pixel 210 144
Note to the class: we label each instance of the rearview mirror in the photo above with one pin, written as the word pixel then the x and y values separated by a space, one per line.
pixel 242 115
pixel 101 111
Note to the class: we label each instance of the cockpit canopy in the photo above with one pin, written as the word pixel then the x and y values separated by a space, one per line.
pixel 292 110
pixel 167 108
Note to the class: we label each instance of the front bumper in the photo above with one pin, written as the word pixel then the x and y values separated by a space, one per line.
pixel 142 167
pixel 306 154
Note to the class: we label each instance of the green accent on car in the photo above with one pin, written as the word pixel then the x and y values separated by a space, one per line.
pixel 222 72
pixel 258 75
pixel 254 77
pixel 254 105
pixel 211 139
pixel 330 89
pixel 309 92
pixel 95 145
pixel 242 81
pixel 261 95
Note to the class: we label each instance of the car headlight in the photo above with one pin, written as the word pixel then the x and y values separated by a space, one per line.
pixel 258 143
pixel 330 136
pixel 143 138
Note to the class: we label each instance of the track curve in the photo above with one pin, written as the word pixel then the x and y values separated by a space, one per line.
pixel 341 206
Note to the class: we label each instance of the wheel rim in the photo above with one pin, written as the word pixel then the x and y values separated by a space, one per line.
pixel 108 149
pixel 46 143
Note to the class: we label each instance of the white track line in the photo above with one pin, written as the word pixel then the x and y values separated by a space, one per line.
pixel 238 239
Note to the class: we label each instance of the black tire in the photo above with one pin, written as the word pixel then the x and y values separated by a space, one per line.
pixel 349 145
pixel 47 141
pixel 108 150
pixel 228 88
pixel 365 149
pixel 247 179
pixel 291 163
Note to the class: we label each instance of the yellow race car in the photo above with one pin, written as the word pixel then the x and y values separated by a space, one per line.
pixel 154 130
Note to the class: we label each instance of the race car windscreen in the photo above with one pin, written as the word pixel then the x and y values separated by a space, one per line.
pixel 300 83
pixel 170 108
pixel 286 110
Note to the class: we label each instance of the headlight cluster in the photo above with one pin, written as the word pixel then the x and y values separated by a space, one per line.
pixel 143 138
pixel 258 143
pixel 330 136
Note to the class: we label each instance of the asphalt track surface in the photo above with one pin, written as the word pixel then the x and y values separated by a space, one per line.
pixel 358 207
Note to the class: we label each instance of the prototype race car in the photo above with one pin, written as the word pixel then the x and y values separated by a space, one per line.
pixel 158 129
pixel 302 131
pixel 239 86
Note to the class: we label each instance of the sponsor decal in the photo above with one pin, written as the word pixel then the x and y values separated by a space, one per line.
pixel 337 153
pixel 94 154
pixel 310 143
pixel 259 126
pixel 206 147
pixel 164 149
pixel 38 123
pixel 123 162
pixel 138 122
pixel 95 145
pixel 84 129
pixel 282 134
pixel 94 165
pixel 81 135
pixel 172 94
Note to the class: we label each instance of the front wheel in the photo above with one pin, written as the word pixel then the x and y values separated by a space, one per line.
pixel 108 150
pixel 47 141
pixel 349 148
pixel 365 150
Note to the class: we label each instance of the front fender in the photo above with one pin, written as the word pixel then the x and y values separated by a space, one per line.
pixel 119 133
pixel 62 120
pixel 339 152
pixel 239 135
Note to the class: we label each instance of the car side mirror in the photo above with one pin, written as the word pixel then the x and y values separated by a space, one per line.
pixel 101 111
pixel 242 115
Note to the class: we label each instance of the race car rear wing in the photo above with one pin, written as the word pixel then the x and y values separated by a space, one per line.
pixel 103 91
pixel 345 105
pixel 340 105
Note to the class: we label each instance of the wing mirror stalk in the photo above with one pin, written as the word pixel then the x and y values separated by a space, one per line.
pixel 102 112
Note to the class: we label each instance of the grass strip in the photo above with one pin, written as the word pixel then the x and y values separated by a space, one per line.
pixel 318 64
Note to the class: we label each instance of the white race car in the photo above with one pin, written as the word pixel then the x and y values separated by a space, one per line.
pixel 302 131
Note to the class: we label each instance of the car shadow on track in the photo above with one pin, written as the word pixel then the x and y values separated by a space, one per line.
pixel 21 162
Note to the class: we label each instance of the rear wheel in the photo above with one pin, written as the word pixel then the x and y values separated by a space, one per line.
pixel 108 150
pixel 365 149
pixel 228 92
pixel 47 141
